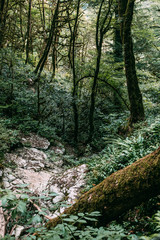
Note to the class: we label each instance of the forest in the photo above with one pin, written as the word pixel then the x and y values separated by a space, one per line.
pixel 79 119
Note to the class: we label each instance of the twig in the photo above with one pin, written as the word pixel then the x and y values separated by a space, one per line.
pixel 12 229
pixel 38 208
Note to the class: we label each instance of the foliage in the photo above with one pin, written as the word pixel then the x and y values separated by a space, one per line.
pixel 67 231
pixel 8 137
pixel 21 212
pixel 45 105
pixel 156 235
pixel 121 152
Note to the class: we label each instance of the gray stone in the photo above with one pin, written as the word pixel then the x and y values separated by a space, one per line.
pixel 36 141
pixel 43 175
pixel 18 231
pixel 11 178
pixel 6 184
pixel 58 150
pixel 1 173
pixel 17 182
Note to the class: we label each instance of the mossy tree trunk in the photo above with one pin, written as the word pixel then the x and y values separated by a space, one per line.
pixel 120 191
pixel 135 97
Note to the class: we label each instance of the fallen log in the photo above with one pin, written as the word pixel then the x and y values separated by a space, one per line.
pixel 120 191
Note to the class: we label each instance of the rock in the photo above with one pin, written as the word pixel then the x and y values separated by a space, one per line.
pixel 37 181
pixel 6 184
pixel 1 173
pixel 58 150
pixel 32 154
pixel 17 182
pixel 11 178
pixel 43 175
pixel 28 158
pixel 59 163
pixel 18 231
pixel 21 162
pixel 69 183
pixel 57 190
pixel 35 141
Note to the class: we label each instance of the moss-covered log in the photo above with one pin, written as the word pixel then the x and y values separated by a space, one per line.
pixel 121 191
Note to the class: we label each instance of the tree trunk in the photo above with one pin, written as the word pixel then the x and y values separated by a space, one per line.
pixel 101 30
pixel 120 191
pixel 1 22
pixel 134 93
pixel 3 18
pixel 118 56
pixel 28 45
pixel 43 59
pixel 72 59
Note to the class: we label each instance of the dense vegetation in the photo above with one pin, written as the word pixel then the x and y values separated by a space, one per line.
pixel 85 73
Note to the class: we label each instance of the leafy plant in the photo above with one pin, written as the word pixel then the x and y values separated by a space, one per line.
pixel 18 207
pixel 8 137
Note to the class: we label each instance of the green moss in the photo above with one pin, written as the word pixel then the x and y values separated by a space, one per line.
pixel 121 190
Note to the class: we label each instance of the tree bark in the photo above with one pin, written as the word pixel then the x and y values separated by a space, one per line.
pixel 134 93
pixel 43 59
pixel 120 191
pixel 118 51
pixel 72 59
pixel 28 45
pixel 1 22
pixel 3 18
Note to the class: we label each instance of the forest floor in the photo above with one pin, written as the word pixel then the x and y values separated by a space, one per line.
pixel 43 170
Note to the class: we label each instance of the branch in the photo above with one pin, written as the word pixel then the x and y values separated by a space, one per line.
pixel 38 208
pixel 111 86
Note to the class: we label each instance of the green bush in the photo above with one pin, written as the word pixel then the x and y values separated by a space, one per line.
pixel 8 138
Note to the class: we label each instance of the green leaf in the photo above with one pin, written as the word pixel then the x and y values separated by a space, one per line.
pixel 21 207
pixel 73 217
pixel 11 197
pixel 94 214
pixel 24 196
pixel 42 197
pixel 36 219
pixel 81 214
pixel 69 220
pixel 42 213
pixel 81 221
pixel 91 219
pixel 53 194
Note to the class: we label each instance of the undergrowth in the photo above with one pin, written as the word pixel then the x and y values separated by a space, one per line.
pixel 120 151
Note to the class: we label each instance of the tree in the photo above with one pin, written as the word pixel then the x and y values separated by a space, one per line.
pixel 102 27
pixel 3 17
pixel 28 45
pixel 135 97
pixel 120 191
pixel 118 56
pixel 43 59
pixel 72 55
